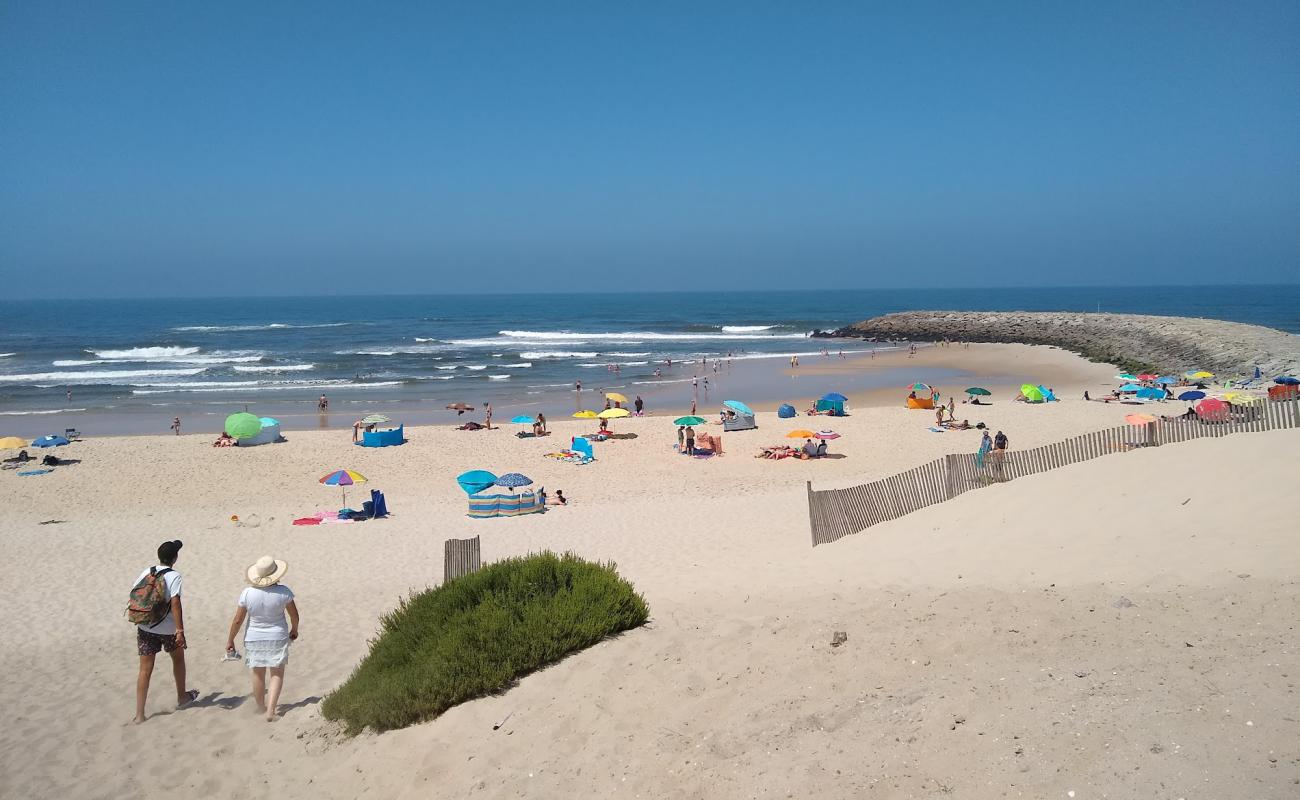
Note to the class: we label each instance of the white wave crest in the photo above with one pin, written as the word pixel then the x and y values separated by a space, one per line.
pixel 44 411
pixel 273 326
pixel 145 353
pixel 102 376
pixel 746 328
pixel 541 354
pixel 476 367
pixel 277 368
pixel 333 386
pixel 498 377
pixel 647 336
pixel 6 355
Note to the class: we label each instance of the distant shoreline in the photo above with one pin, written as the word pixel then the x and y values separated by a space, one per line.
pixel 1133 341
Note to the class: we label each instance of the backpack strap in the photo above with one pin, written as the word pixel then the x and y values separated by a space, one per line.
pixel 157 574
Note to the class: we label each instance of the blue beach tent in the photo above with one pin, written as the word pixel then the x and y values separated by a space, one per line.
pixel 786 411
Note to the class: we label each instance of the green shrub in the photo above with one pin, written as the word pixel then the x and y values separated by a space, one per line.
pixel 477 634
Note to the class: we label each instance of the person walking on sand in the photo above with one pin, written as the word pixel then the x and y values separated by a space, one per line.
pixel 176 425
pixel 264 603
pixel 487 408
pixel 681 438
pixel 639 405
pixel 1000 444
pixel 166 633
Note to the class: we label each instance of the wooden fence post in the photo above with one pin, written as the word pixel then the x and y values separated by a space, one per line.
pixel 459 557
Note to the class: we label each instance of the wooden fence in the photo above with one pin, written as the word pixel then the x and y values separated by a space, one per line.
pixel 836 513
pixel 459 557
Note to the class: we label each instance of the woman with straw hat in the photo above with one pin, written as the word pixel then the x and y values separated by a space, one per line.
pixel 264 603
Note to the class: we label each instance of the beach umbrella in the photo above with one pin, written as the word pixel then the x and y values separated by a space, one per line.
pixel 1129 387
pixel 53 440
pixel 12 443
pixel 1212 408
pixel 1241 398
pixel 836 397
pixel 1139 419
pixel 826 435
pixel 801 433
pixel 1147 376
pixel 476 480
pixel 616 397
pixel 689 421
pixel 1200 374
pixel 1126 376
pixel 374 419
pixel 977 390
pixel 1031 393
pixel 1287 380
pixel 920 388
pixel 1166 379
pixel 1149 393
pixel 512 479
pixel 343 478
pixel 739 407
pixel 523 419
pixel 243 425
pixel 1191 395
pixel 614 413
pixel 585 415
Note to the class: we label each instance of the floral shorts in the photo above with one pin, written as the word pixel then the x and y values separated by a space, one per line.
pixel 149 644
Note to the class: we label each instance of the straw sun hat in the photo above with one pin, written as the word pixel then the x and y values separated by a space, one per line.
pixel 266 572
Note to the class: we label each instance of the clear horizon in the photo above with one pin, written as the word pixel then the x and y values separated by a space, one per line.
pixel 239 150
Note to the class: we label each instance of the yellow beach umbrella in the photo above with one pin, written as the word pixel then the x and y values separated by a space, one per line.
pixel 584 414
pixel 614 413
pixel 1201 374
pixel 1241 398
pixel 616 397
pixel 12 443
pixel 801 433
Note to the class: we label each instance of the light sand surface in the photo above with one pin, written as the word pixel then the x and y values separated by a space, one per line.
pixel 986 655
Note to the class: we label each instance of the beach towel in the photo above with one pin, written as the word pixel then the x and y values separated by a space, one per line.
pixel 307 521
pixel 935 430
pixel 25 473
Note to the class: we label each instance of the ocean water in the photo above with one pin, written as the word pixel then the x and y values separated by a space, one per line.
pixel 154 359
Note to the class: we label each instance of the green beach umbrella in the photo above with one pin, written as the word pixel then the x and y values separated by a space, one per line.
pixel 243 425
pixel 979 391
pixel 375 419
pixel 688 421
pixel 1032 393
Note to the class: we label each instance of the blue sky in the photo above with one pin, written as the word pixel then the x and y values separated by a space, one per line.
pixel 161 148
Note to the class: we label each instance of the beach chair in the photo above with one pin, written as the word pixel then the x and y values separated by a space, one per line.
pixel 71 434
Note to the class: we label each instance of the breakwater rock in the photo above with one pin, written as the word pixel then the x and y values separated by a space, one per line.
pixel 1131 341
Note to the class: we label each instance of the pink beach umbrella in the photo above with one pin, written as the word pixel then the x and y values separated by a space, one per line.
pixel 826 435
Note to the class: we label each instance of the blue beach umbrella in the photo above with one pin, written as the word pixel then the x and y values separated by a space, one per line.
pixel 511 480
pixel 836 397
pixel 1151 394
pixel 476 480
pixel 738 407
pixel 1191 396
pixel 50 441
pixel 1129 387
pixel 1166 379
pixel 1287 380
pixel 523 419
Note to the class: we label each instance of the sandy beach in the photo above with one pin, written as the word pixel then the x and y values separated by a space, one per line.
pixel 1117 628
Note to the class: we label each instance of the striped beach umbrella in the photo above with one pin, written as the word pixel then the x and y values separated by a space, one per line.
pixel 343 478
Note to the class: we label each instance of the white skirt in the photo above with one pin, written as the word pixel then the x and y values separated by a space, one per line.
pixel 267 653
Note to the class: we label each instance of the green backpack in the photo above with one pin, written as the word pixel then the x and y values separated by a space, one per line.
pixel 149 602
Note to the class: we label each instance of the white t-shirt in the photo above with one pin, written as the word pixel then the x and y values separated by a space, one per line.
pixel 167 625
pixel 266 618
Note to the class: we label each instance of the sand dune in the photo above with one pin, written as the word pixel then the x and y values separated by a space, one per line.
pixel 991 649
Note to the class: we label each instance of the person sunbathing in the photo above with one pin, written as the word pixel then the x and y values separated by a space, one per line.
pixel 21 458
pixel 471 426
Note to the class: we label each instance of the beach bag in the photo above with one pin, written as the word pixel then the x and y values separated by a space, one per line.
pixel 149 603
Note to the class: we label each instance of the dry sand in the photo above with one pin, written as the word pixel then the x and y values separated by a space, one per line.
pixel 989 653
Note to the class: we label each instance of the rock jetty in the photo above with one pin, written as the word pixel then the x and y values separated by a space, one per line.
pixel 1131 341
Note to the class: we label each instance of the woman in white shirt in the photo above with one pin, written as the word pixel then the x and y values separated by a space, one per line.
pixel 266 641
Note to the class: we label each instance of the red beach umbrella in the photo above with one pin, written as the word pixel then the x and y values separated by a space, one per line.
pixel 1213 409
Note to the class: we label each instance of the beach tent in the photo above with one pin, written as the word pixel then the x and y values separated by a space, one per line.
pixel 743 419
pixel 1048 397
pixel 786 411
pixel 832 402
pixel 268 432
pixel 920 396
pixel 384 438
pixel 582 445
pixel 484 506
